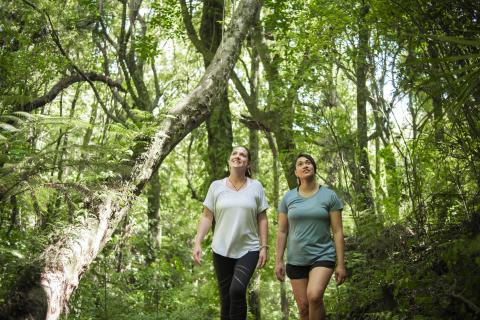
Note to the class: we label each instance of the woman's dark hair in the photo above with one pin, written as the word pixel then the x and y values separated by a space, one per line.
pixel 309 158
pixel 248 173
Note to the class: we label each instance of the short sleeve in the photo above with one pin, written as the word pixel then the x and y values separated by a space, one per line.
pixel 262 203
pixel 335 203
pixel 283 206
pixel 209 202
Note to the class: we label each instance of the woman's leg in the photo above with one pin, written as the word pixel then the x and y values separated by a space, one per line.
pixel 317 283
pixel 224 268
pixel 299 288
pixel 244 269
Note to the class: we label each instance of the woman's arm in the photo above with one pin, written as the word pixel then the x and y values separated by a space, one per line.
pixel 263 233
pixel 202 230
pixel 337 229
pixel 282 234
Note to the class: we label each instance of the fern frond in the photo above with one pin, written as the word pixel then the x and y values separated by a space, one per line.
pixel 8 127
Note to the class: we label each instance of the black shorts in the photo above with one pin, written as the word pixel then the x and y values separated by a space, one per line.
pixel 301 272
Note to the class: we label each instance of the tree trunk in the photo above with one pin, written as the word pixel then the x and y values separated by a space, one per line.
pixel 153 213
pixel 276 187
pixel 220 138
pixel 219 124
pixel 275 173
pixel 365 198
pixel 14 215
pixel 46 287
pixel 379 193
pixel 280 99
pixel 287 152
pixel 253 146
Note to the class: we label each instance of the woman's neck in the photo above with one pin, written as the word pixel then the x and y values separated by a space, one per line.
pixel 237 175
pixel 308 185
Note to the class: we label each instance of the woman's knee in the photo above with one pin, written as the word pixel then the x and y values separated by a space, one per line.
pixel 315 296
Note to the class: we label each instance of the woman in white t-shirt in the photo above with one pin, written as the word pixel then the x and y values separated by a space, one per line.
pixel 238 205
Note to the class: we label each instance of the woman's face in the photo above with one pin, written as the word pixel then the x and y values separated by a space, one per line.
pixel 304 168
pixel 238 158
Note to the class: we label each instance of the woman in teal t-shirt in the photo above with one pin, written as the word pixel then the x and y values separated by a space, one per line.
pixel 305 217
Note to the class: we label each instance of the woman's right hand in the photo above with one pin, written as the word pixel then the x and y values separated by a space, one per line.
pixel 280 271
pixel 197 254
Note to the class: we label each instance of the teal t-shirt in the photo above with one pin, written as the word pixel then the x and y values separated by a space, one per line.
pixel 309 238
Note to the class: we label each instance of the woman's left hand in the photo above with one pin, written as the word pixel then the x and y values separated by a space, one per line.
pixel 262 257
pixel 340 274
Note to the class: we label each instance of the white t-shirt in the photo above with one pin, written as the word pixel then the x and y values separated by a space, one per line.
pixel 235 212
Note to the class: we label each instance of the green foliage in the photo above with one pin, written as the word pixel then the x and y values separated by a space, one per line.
pixel 167 16
pixel 413 278
pixel 146 47
pixel 393 182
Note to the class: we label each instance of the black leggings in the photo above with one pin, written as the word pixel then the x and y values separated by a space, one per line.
pixel 233 276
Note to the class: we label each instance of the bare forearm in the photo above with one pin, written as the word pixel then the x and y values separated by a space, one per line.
pixel 263 229
pixel 280 248
pixel 282 234
pixel 203 228
pixel 339 247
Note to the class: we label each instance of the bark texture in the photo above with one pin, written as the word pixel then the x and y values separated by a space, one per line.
pixel 154 218
pixel 45 290
pixel 362 179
